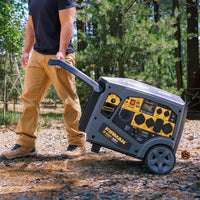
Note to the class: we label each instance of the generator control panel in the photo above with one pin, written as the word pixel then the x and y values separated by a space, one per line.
pixel 141 118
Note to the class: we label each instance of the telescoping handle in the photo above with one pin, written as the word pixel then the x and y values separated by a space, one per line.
pixel 96 87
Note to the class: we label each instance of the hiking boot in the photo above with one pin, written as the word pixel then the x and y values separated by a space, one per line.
pixel 18 151
pixel 73 151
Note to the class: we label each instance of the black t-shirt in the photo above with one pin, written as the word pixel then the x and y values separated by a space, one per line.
pixel 47 25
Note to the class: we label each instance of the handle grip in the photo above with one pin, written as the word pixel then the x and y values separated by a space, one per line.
pixel 96 87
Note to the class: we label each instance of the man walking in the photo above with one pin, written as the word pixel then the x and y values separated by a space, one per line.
pixel 48 32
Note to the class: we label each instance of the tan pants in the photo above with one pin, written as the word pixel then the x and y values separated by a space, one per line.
pixel 38 77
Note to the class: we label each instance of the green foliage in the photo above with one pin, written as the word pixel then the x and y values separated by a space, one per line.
pixel 11 41
pixel 11 27
pixel 124 40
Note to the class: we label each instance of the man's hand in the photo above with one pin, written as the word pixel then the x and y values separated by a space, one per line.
pixel 60 55
pixel 24 60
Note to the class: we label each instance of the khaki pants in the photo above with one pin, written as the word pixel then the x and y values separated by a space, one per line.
pixel 38 77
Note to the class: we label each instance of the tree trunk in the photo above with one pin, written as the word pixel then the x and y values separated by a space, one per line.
pixel 178 49
pixel 80 28
pixel 156 11
pixel 121 35
pixel 157 18
pixel 5 103
pixel 193 74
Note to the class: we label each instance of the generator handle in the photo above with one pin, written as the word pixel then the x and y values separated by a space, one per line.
pixel 96 87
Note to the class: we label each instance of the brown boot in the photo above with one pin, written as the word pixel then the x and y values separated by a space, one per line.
pixel 73 151
pixel 18 151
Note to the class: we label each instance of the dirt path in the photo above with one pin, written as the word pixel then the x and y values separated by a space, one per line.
pixel 107 175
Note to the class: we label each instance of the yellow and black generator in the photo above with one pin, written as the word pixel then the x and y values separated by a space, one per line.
pixel 133 118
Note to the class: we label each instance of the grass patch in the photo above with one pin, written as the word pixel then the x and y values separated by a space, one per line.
pixel 45 119
pixel 48 119
pixel 10 118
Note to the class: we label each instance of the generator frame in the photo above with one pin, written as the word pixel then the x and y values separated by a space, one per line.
pixel 133 118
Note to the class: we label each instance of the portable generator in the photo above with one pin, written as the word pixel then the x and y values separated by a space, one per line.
pixel 133 118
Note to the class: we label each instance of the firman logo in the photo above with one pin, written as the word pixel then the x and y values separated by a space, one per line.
pixel 114 137
pixel 112 133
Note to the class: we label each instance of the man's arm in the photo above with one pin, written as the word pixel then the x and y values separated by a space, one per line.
pixel 66 17
pixel 29 41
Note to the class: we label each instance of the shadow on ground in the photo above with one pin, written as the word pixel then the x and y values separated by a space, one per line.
pixel 93 176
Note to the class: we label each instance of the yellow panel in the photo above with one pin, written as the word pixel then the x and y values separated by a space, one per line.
pixel 113 99
pixel 144 126
pixel 133 107
pixel 134 104
pixel 162 116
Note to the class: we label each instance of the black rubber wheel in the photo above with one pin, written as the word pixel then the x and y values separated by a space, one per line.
pixel 160 159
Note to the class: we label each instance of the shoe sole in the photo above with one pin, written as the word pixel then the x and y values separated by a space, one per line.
pixel 34 154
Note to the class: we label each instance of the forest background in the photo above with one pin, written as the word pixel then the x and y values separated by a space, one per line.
pixel 156 41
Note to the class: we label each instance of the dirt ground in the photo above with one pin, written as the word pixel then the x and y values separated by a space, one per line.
pixel 106 175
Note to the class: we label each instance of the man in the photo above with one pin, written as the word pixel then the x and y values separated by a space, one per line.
pixel 48 31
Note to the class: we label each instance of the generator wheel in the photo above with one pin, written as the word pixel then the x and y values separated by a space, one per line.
pixel 160 159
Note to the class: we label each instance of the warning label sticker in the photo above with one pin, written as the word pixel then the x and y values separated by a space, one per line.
pixel 114 137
